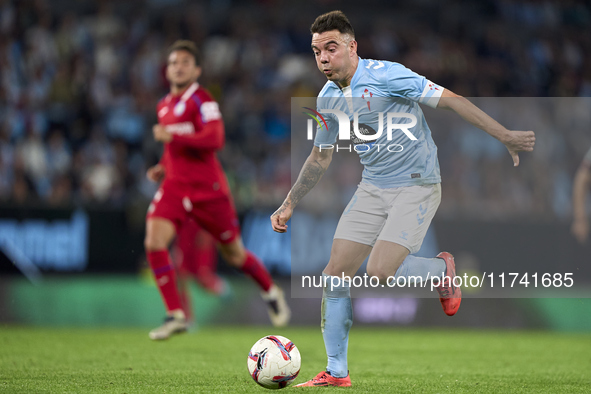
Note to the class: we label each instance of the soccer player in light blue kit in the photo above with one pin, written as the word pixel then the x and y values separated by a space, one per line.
pixel 392 208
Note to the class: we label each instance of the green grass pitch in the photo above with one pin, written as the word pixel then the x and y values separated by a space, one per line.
pixel 36 360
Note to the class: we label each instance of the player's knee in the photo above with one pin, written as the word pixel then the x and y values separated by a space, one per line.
pixel 333 269
pixel 379 273
pixel 152 244
pixel 149 245
pixel 159 235
pixel 234 256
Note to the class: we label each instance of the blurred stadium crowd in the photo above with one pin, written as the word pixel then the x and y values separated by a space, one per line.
pixel 80 81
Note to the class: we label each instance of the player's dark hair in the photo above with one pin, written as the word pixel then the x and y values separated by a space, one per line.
pixel 186 45
pixel 333 20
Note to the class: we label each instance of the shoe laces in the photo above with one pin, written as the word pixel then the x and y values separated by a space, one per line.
pixel 322 376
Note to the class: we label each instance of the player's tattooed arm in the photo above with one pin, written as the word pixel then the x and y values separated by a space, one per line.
pixel 308 178
pixel 315 166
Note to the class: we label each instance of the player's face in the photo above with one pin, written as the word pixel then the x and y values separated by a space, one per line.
pixel 181 69
pixel 334 53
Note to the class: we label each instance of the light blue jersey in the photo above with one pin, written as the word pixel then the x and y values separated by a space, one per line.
pixel 401 155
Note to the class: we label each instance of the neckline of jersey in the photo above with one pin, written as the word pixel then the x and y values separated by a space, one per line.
pixel 186 94
pixel 189 92
pixel 355 78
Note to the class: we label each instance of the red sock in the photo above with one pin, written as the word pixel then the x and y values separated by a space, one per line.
pixel 165 279
pixel 254 268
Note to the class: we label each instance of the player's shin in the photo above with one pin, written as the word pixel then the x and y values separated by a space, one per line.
pixel 165 276
pixel 279 311
pixel 415 268
pixel 337 318
pixel 254 268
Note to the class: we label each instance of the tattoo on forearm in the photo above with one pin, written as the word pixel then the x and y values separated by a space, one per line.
pixel 308 178
pixel 279 211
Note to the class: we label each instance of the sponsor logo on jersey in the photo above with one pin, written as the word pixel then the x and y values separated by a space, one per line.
pixel 363 129
pixel 181 128
pixel 210 110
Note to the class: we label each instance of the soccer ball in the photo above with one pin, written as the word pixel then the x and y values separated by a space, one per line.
pixel 274 362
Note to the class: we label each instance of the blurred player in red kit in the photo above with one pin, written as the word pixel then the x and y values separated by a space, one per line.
pixel 195 257
pixel 190 126
pixel 193 253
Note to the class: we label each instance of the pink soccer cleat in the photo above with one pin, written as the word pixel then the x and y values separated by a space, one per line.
pixel 325 379
pixel 449 295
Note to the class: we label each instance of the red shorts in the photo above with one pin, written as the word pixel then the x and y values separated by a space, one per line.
pixel 214 212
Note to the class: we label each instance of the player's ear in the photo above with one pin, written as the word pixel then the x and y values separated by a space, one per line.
pixel 353 48
pixel 198 71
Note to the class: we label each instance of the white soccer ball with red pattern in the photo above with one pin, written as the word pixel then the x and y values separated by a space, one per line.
pixel 274 362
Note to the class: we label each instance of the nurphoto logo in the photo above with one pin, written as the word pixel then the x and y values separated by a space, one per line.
pixel 362 135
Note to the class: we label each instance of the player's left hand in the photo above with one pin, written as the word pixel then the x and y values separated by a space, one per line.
pixel 519 141
pixel 160 133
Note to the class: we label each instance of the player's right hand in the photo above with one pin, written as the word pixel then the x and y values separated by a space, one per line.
pixel 519 141
pixel 156 173
pixel 580 229
pixel 280 218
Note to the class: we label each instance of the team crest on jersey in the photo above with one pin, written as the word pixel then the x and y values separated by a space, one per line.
pixel 179 108
pixel 369 95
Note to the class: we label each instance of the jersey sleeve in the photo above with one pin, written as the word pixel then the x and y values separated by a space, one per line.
pixel 210 137
pixel 404 82
pixel 209 128
pixel 209 111
pixel 327 130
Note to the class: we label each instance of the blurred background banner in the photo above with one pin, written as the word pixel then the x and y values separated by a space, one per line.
pixel 79 83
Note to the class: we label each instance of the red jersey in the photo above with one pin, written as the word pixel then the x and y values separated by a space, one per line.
pixel 194 120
